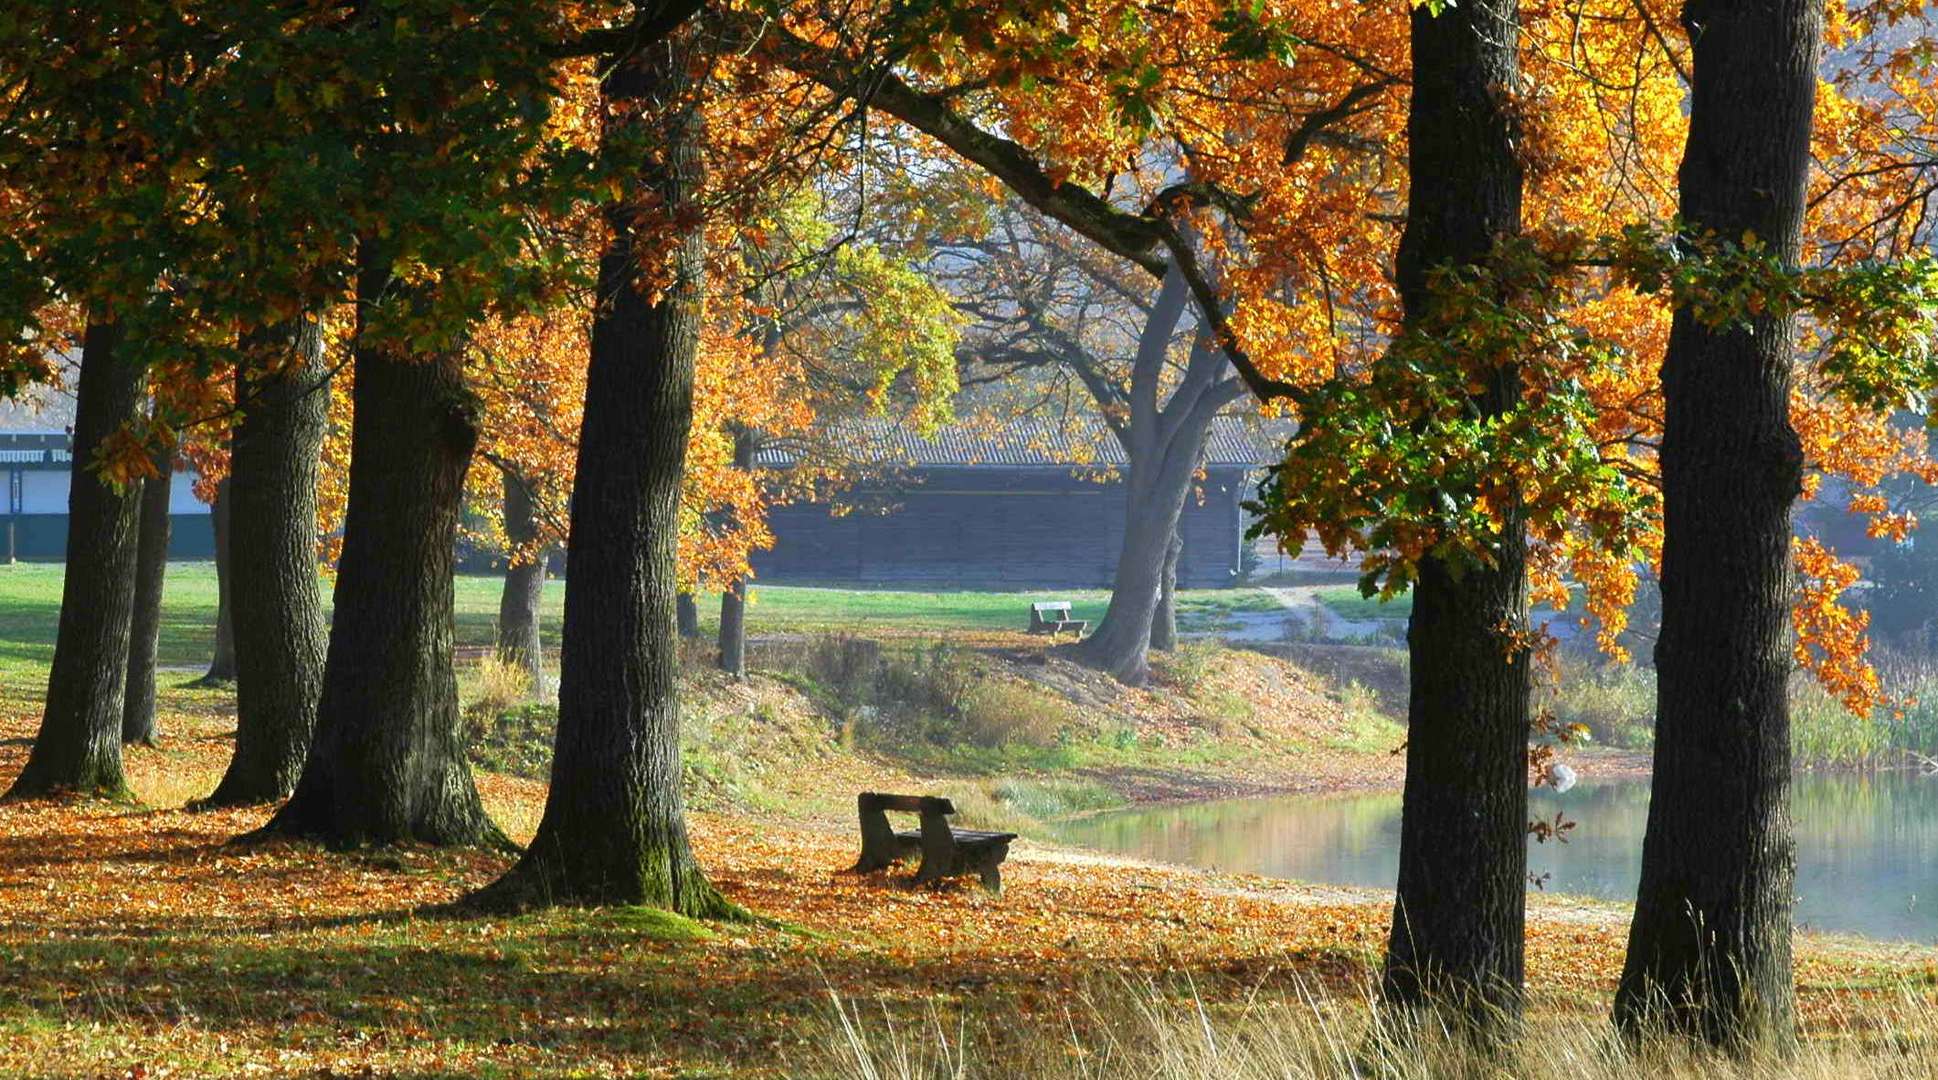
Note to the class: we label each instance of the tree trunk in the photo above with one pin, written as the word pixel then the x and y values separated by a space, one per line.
pixel 1709 949
pixel 688 614
pixel 222 665
pixel 1164 446
pixel 733 599
pixel 278 607
pixel 1121 643
pixel 1164 621
pixel 518 608
pixel 387 762
pixel 614 830
pixel 733 628
pixel 1457 941
pixel 78 747
pixel 144 628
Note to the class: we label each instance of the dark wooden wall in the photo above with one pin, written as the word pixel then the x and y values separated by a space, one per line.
pixel 996 527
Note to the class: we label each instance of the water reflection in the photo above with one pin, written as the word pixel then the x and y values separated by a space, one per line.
pixel 1867 847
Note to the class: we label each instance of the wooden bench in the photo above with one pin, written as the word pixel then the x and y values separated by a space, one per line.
pixel 1052 617
pixel 946 851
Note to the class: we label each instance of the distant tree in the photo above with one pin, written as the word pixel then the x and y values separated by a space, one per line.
pixel 519 644
pixel 138 724
pixel 1051 312
pixel 222 658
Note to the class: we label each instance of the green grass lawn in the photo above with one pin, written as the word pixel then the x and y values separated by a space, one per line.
pixel 1345 602
pixel 30 600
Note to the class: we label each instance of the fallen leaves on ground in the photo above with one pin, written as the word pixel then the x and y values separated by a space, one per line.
pixel 139 942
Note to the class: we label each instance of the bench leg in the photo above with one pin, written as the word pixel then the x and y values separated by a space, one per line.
pixel 992 880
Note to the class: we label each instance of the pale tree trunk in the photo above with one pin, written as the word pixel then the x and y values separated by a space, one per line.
pixel 1457 941
pixel 519 607
pixel 387 762
pixel 1164 622
pixel 78 748
pixel 144 630
pixel 222 663
pixel 1164 446
pixel 614 830
pixel 1709 949
pixel 278 606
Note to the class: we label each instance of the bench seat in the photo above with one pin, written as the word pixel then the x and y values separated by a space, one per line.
pixel 946 851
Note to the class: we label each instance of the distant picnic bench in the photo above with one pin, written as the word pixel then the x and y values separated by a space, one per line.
pixel 1052 617
pixel 946 851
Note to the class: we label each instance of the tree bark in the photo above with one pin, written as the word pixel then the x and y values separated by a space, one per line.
pixel 614 830
pixel 1164 446
pixel 78 748
pixel 387 762
pixel 1709 948
pixel 1164 621
pixel 1457 942
pixel 688 614
pixel 278 607
pixel 733 599
pixel 144 629
pixel 222 665
pixel 518 608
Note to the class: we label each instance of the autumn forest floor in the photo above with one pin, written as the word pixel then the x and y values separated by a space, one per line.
pixel 135 940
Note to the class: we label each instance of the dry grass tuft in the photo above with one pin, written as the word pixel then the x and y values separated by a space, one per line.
pixel 1298 1031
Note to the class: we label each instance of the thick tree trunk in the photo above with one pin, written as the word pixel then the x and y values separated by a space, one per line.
pixel 78 747
pixel 1709 950
pixel 222 664
pixel 387 762
pixel 1122 642
pixel 614 830
pixel 1164 621
pixel 518 608
pixel 688 614
pixel 278 607
pixel 733 599
pixel 1457 941
pixel 144 628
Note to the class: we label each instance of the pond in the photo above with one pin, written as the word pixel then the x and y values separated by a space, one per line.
pixel 1867 846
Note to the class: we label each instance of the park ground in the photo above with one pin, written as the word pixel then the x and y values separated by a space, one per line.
pixel 135 941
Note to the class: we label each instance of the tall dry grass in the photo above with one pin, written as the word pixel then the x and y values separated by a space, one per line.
pixel 1126 1030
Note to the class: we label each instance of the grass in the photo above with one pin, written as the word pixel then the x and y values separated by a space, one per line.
pixel 30 598
pixel 1345 602
pixel 1301 1030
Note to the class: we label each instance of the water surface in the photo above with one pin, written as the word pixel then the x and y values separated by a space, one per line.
pixel 1867 846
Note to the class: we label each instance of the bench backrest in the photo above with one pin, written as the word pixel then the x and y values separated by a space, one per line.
pixel 910 804
pixel 1052 609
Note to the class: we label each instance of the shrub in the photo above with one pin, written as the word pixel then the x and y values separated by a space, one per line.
pixel 1615 701
pixel 845 668
pixel 1000 712
pixel 1187 666
pixel 487 691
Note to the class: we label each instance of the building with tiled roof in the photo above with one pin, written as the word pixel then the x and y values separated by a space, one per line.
pixel 1027 505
